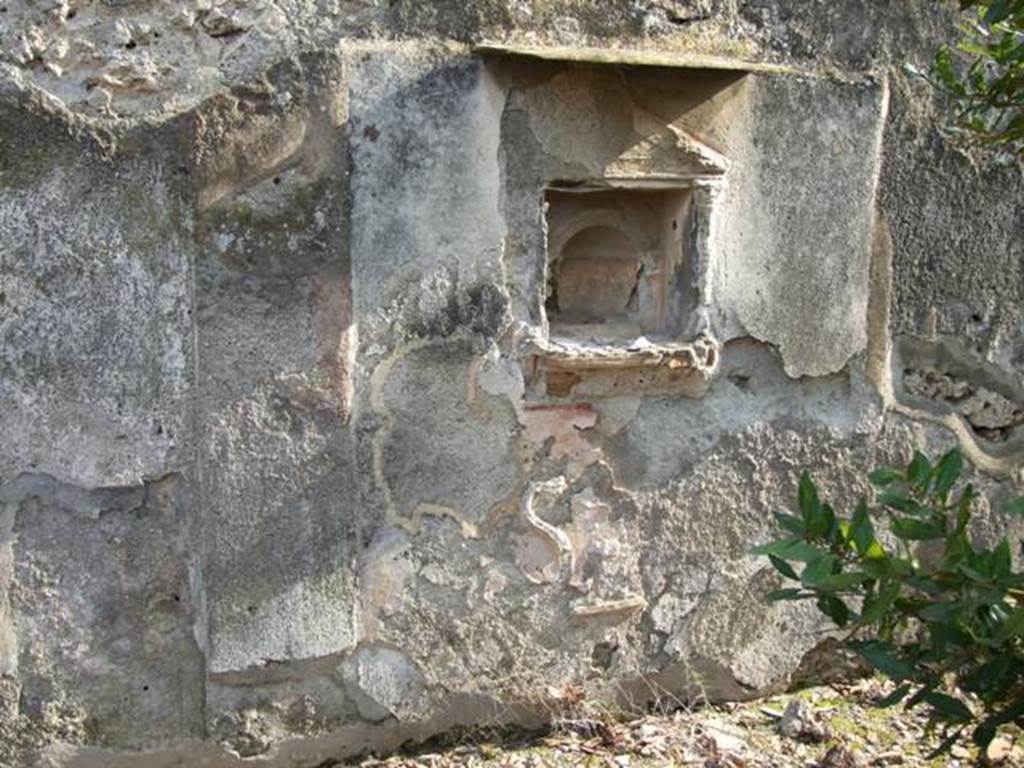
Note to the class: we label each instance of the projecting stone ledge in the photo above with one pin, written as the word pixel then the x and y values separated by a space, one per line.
pixel 595 369
pixel 632 57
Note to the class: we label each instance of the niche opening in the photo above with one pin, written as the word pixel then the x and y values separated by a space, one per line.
pixel 619 264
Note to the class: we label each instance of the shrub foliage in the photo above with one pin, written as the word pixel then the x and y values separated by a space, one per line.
pixel 984 74
pixel 918 599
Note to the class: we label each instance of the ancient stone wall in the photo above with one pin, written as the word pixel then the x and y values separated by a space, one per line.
pixel 369 368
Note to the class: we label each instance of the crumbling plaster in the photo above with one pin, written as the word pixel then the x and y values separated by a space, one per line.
pixel 284 480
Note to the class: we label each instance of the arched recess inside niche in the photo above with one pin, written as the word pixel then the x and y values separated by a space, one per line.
pixel 594 261
pixel 594 276
pixel 614 257
pixel 564 228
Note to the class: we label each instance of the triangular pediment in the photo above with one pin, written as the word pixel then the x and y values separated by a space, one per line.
pixel 666 153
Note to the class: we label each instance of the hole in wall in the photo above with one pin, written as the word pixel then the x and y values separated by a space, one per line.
pixel 603 654
pixel 945 377
pixel 740 381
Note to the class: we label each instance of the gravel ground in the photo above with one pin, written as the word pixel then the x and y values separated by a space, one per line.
pixel 833 727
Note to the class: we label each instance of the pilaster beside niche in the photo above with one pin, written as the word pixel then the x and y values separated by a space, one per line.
pixel 626 300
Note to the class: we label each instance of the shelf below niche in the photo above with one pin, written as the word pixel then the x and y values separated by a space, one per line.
pixel 577 370
pixel 559 353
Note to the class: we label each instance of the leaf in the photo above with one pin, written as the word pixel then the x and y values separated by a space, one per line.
pixel 895 697
pixel 790 523
pixel 830 524
pixel 949 707
pixel 939 611
pixel 835 609
pixel 900 566
pixel 783 567
pixel 1011 627
pixel 882 659
pixel 911 529
pixel 1014 507
pixel 898 500
pixel 884 476
pixel 987 730
pixel 971 47
pixel 1002 563
pixel 877 605
pixel 997 11
pixel 807 498
pixel 788 549
pixel 785 594
pixel 839 581
pixel 943 635
pixel 878 569
pixel 946 473
pixel 843 533
pixel 945 745
pixel 919 470
pixel 972 574
pixel 943 70
pixel 861 530
pixel 995 673
pixel 817 570
pixel 875 553
pixel 918 697
pixel 963 509
pixel 984 734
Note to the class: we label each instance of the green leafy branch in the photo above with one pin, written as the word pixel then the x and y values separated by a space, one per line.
pixel 984 74
pixel 920 602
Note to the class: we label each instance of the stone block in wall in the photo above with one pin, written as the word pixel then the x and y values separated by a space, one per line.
pixel 251 712
pixel 95 299
pixel 274 336
pixel 427 230
pixel 268 161
pixel 100 601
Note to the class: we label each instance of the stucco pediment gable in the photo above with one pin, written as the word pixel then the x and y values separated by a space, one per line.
pixel 666 153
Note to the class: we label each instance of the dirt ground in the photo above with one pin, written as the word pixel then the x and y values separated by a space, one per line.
pixel 826 727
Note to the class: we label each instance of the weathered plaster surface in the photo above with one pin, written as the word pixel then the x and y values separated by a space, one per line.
pixel 796 241
pixel 295 465
pixel 96 354
pixel 274 339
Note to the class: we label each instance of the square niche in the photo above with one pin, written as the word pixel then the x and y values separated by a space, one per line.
pixel 620 265
pixel 625 304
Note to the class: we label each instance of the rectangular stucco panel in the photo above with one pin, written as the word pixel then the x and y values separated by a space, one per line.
pixel 792 231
